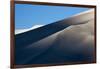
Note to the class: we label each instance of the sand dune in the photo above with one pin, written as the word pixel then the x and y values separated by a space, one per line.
pixel 72 44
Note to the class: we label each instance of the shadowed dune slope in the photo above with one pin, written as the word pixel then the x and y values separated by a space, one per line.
pixel 72 44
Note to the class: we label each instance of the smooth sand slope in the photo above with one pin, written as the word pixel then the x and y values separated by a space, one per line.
pixel 71 44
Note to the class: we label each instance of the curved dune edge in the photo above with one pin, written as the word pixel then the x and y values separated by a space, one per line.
pixel 62 43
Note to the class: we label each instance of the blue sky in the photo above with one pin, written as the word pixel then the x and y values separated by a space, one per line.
pixel 27 15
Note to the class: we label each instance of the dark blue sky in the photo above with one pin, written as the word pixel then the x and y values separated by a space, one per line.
pixel 27 15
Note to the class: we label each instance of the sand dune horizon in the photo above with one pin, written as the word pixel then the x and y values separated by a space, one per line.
pixel 73 43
